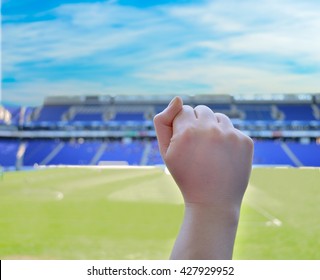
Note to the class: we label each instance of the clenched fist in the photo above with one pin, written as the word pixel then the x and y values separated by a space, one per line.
pixel 210 161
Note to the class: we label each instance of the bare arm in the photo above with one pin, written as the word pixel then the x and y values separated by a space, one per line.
pixel 210 161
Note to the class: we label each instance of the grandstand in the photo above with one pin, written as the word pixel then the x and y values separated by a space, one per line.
pixel 56 213
pixel 93 130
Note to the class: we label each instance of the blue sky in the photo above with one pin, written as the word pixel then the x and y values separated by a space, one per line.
pixel 62 47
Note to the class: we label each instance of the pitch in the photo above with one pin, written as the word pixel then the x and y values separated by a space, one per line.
pixel 82 213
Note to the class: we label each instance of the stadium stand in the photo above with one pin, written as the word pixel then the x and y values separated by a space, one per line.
pixel 297 112
pixel 73 153
pixel 307 154
pixel 38 150
pixel 10 115
pixel 118 151
pixel 104 129
pixel 5 116
pixel 8 152
pixel 154 156
pixel 86 113
pixel 52 113
pixel 87 117
pixel 255 112
pixel 27 114
pixel 129 117
pixel 268 152
pixel 50 152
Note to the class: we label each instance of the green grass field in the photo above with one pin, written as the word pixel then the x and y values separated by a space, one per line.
pixel 74 213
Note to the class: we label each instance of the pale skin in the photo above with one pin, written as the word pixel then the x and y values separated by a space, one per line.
pixel 211 162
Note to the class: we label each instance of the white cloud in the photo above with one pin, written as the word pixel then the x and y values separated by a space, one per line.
pixel 169 47
pixel 258 27
pixel 101 14
pixel 222 78
pixel 56 40
pixel 29 92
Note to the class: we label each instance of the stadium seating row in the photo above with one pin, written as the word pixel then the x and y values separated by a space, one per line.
pixel 116 129
pixel 72 114
pixel 137 152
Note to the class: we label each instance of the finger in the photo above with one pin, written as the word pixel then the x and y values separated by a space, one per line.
pixel 163 123
pixel 223 120
pixel 183 120
pixel 204 113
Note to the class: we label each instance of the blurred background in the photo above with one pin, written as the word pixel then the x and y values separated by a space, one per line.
pixel 81 83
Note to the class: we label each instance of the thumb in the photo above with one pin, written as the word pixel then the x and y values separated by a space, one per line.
pixel 163 124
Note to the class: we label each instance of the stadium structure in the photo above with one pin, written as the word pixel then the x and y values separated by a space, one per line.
pixel 73 200
pixel 109 130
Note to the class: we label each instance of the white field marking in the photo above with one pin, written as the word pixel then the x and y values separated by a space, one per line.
pixel 59 195
pixel 99 166
pixel 310 167
pixel 272 220
pixel 256 224
pixel 273 166
pixel 166 170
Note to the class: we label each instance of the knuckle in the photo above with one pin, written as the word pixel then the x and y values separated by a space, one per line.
pixel 185 136
pixel 219 115
pixel 159 119
pixel 222 116
pixel 156 118
pixel 216 134
pixel 189 132
pixel 237 139
pixel 201 107
pixel 231 136
pixel 248 142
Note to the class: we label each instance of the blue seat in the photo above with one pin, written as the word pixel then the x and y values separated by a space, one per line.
pixel 8 152
pixel 270 153
pixel 118 151
pixel 302 112
pixel 129 117
pixel 37 150
pixel 74 153
pixel 308 154
pixel 52 113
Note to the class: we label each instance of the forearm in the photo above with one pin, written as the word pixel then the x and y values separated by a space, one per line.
pixel 206 233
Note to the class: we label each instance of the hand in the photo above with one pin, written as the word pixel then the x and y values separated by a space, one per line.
pixel 210 161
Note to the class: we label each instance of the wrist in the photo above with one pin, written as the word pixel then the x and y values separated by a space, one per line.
pixel 208 231
pixel 228 215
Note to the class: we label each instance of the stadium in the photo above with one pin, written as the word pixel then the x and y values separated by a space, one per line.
pixel 82 178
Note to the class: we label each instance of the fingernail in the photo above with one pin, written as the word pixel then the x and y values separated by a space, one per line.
pixel 173 101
